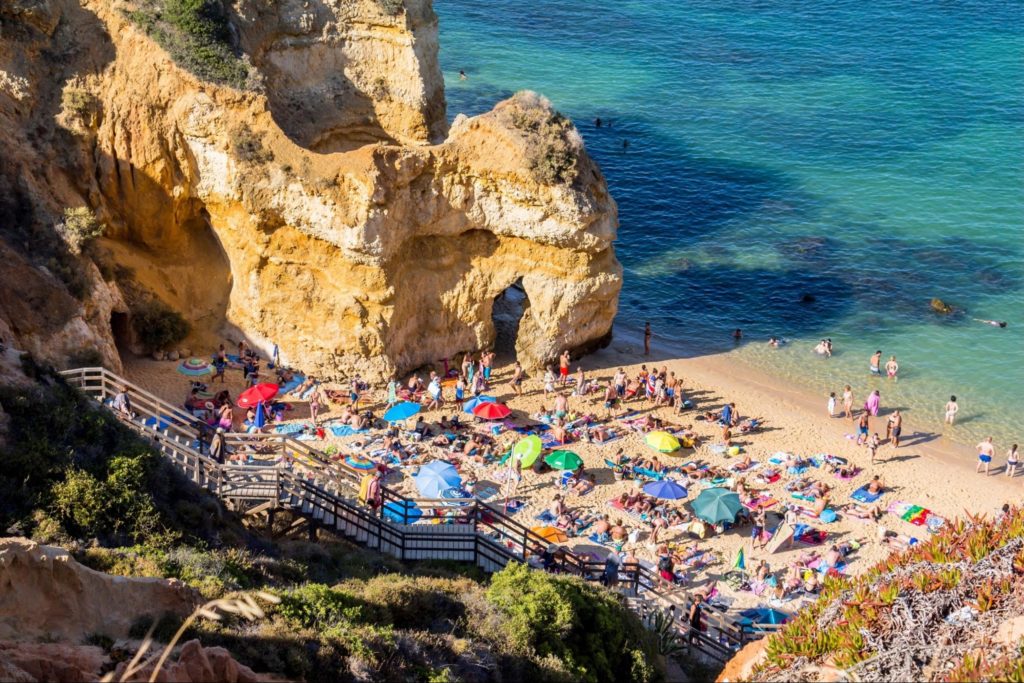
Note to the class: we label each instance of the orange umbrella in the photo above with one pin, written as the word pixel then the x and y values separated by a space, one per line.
pixel 550 534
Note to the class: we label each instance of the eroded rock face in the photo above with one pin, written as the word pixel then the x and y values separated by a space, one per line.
pixel 375 258
pixel 45 593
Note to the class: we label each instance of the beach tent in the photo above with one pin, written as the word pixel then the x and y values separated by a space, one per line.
pixel 551 534
pixel 436 477
pixel 662 441
pixel 472 403
pixel 563 460
pixel 751 618
pixel 401 411
pixel 717 505
pixel 401 511
pixel 666 489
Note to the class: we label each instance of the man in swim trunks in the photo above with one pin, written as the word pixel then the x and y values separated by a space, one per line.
pixel 894 428
pixel 875 360
pixel 986 449
pixel 563 368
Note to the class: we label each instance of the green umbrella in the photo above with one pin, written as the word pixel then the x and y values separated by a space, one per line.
pixel 717 505
pixel 563 460
pixel 529 449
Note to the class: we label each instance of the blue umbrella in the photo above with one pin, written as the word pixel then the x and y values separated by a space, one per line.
pixel 435 478
pixel 401 411
pixel 402 511
pixel 468 406
pixel 261 416
pixel 763 615
pixel 666 489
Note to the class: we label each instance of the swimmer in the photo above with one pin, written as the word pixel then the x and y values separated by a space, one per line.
pixel 993 323
pixel 597 122
pixel 625 144
pixel 773 342
pixel 823 349
pixel 952 408
pixel 892 367
pixel 737 334
pixel 875 360
pixel 462 75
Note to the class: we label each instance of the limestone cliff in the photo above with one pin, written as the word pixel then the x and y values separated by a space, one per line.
pixel 335 216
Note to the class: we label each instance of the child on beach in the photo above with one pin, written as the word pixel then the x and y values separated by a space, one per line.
pixel 873 443
pixel 832 404
pixel 1012 460
pixel 951 410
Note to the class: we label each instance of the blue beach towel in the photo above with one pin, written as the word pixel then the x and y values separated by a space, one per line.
pixel 546 517
pixel 164 422
pixel 863 496
pixel 292 384
pixel 345 430
pixel 293 428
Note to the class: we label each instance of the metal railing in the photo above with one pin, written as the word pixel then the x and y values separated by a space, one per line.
pixel 302 477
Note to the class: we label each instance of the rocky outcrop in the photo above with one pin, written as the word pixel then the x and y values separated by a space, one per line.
pixel 45 593
pixel 275 218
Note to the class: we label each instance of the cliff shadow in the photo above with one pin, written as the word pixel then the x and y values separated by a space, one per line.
pixel 507 313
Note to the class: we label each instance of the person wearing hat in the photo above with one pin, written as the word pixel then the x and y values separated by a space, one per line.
pixel 217 446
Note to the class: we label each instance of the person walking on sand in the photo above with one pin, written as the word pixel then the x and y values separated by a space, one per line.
pixel 986 449
pixel 517 379
pixel 893 428
pixel 873 444
pixel 891 368
pixel 952 408
pixel 647 339
pixel 862 428
pixel 563 368
pixel 1012 460
pixel 832 404
pixel 848 402
pixel 873 364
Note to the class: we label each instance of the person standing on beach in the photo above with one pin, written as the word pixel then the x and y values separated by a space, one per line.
pixel 517 379
pixel 951 410
pixel 549 381
pixel 832 404
pixel 486 361
pixel 876 359
pixel 872 404
pixel 1012 460
pixel 563 368
pixel 620 383
pixel 873 444
pixel 894 428
pixel 986 449
pixel 862 428
pixel 647 339
pixel 891 368
pixel 848 402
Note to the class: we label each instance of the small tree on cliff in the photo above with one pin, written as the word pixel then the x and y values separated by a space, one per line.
pixel 553 143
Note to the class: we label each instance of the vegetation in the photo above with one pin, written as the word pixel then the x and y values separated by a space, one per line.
pixel 79 226
pixel 197 36
pixel 392 7
pixel 553 143
pixel 80 104
pixel 935 607
pixel 157 326
pixel 73 472
pixel 249 147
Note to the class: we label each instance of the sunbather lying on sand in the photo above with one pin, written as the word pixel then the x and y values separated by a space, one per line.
pixel 863 511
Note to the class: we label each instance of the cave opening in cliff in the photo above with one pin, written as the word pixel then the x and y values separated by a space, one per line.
pixel 508 310
pixel 120 329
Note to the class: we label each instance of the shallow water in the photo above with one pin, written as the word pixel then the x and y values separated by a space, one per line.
pixel 870 155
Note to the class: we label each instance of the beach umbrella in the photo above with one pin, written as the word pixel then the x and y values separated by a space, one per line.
pixel 492 411
pixel 529 447
pixel 358 462
pixel 563 460
pixel 551 534
pixel 662 441
pixel 472 403
pixel 436 477
pixel 260 421
pixel 257 394
pixel 194 367
pixel 401 411
pixel 401 511
pixel 717 505
pixel 666 489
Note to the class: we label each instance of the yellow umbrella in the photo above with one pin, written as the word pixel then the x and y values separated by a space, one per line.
pixel 662 441
pixel 550 534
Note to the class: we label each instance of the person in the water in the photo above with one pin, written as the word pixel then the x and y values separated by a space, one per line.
pixel 462 75
pixel 597 122
pixel 625 144
pixel 993 323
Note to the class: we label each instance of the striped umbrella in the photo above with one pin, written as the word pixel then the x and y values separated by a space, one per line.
pixel 194 367
pixel 358 462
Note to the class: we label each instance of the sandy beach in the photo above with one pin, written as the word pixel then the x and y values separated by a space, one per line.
pixel 927 470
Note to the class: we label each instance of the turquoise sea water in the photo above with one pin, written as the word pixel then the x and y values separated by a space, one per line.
pixel 868 154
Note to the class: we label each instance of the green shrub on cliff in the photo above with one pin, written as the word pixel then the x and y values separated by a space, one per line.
pixel 553 143
pixel 197 36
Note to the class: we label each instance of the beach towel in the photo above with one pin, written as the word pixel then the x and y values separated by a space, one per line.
pixel 293 428
pixel 600 539
pixel 614 502
pixel 513 506
pixel 308 392
pixel 762 501
pixel 753 466
pixel 546 517
pixel 549 441
pixel 861 495
pixel 485 492
pixel 812 537
pixel 306 437
pixel 346 430
pixel 291 385
pixel 796 470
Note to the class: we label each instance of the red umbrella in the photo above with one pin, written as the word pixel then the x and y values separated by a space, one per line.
pixel 492 411
pixel 257 394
